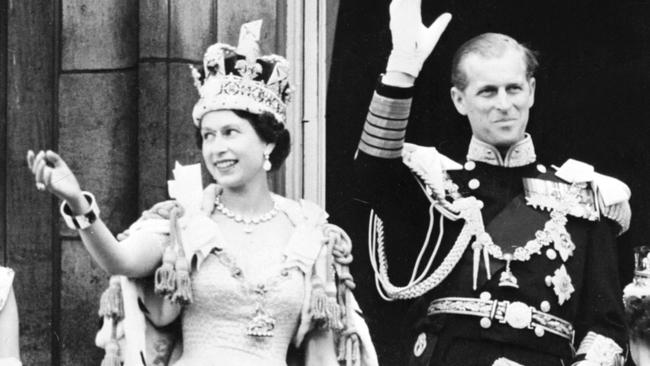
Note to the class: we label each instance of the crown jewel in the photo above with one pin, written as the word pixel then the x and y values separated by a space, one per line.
pixel 238 78
pixel 640 286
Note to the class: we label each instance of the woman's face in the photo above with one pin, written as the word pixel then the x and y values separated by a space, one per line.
pixel 232 150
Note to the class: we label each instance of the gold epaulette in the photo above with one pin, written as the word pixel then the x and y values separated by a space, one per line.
pixel 547 195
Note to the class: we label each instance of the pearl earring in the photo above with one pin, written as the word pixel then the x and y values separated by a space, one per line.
pixel 267 163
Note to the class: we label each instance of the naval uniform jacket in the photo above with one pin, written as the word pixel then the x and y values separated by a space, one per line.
pixel 395 194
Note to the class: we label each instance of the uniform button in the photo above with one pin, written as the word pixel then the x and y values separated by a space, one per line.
pixel 473 183
pixel 551 254
pixel 548 280
pixel 545 306
pixel 485 296
pixel 420 345
pixel 539 331
pixel 469 165
pixel 541 168
pixel 486 323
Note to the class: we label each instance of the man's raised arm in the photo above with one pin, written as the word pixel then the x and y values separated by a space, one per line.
pixel 384 131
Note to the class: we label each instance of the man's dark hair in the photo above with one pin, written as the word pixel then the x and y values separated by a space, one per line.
pixel 269 130
pixel 489 45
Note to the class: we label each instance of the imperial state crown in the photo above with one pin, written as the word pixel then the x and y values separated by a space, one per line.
pixel 239 78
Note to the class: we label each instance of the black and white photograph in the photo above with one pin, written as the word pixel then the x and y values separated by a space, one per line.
pixel 324 183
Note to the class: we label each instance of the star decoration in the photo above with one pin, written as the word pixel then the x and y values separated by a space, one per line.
pixel 562 285
pixel 563 244
pixel 561 239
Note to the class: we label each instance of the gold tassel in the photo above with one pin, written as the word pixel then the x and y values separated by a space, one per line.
pixel 110 303
pixel 334 314
pixel 165 277
pixel 356 352
pixel 318 305
pixel 332 307
pixel 348 351
pixel 112 356
pixel 183 293
pixel 340 352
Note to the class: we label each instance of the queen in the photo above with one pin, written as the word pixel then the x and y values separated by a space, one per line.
pixel 251 274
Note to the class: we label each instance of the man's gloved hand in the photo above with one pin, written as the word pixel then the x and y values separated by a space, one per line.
pixel 412 41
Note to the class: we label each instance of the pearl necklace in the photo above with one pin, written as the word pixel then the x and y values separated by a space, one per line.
pixel 248 222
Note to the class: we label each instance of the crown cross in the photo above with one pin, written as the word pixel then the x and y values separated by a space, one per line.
pixel 248 70
pixel 238 78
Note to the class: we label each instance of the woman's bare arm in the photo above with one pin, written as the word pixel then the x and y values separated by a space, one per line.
pixel 137 256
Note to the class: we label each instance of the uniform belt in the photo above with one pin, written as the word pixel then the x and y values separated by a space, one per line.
pixel 516 314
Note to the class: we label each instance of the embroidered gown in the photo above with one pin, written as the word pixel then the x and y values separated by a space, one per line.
pixel 232 284
pixel 215 324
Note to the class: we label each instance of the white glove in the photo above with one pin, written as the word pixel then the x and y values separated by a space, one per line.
pixel 412 41
pixel 505 362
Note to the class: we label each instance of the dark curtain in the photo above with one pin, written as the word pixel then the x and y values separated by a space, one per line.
pixel 592 103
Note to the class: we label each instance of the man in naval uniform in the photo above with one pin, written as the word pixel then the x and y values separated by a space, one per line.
pixel 507 261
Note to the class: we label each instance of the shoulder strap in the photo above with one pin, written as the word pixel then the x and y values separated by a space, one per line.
pixel 612 194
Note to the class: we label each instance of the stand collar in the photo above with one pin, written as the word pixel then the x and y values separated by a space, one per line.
pixel 520 154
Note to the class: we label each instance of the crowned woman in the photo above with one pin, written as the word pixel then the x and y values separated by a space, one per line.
pixel 255 278
pixel 636 297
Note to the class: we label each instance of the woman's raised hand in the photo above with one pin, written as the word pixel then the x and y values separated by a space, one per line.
pixel 51 173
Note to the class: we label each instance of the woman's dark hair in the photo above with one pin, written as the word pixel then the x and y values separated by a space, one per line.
pixel 269 130
pixel 637 318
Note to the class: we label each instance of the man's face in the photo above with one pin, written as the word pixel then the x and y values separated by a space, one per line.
pixel 497 98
